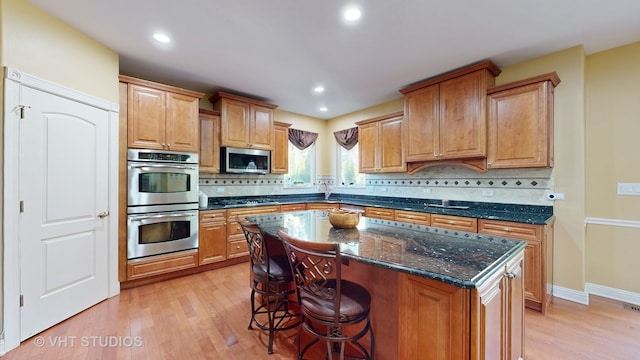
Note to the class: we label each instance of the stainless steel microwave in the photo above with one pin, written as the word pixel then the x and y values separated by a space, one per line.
pixel 245 161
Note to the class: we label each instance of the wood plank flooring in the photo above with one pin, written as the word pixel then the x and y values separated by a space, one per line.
pixel 205 316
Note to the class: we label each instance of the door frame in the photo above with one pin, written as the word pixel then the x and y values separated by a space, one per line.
pixel 14 80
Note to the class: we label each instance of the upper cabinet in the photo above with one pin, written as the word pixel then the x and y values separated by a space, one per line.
pixel 280 153
pixel 445 116
pixel 520 122
pixel 161 117
pixel 380 141
pixel 244 122
pixel 209 141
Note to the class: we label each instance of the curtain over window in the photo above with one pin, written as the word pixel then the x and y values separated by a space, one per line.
pixel 302 139
pixel 347 138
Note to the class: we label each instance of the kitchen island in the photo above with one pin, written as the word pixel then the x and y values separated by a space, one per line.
pixel 436 293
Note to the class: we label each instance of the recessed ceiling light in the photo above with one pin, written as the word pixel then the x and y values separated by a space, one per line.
pixel 323 109
pixel 318 89
pixel 161 38
pixel 352 14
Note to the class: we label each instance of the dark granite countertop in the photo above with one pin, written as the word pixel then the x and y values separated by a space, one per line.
pixel 455 257
pixel 529 214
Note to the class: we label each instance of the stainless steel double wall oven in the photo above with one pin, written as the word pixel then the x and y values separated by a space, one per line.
pixel 162 205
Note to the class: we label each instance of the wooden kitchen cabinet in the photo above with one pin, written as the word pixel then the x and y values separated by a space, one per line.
pixel 322 206
pixel 454 222
pixel 293 207
pixel 380 141
pixel 445 116
pixel 520 123
pixel 280 153
pixel 499 305
pixel 161 264
pixel 380 213
pixel 212 237
pixel 413 217
pixel 538 253
pixel 161 117
pixel 236 241
pixel 244 122
pixel 209 141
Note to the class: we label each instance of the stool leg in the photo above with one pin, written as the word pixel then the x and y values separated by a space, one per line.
pixel 253 307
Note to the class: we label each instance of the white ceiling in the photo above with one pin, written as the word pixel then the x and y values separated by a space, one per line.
pixel 278 50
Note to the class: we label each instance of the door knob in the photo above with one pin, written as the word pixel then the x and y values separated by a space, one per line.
pixel 103 214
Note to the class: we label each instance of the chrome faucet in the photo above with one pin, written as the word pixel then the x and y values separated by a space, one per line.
pixel 327 192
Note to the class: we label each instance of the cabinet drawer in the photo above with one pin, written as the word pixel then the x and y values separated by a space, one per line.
pixel 379 213
pixel 293 207
pixel 237 247
pixel 234 228
pixel 454 222
pixel 413 217
pixel 510 229
pixel 241 213
pixel 161 264
pixel 322 206
pixel 212 215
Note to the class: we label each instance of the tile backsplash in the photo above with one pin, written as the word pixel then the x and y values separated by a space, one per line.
pixel 511 186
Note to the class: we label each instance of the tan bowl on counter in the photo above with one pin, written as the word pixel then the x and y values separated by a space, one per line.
pixel 344 219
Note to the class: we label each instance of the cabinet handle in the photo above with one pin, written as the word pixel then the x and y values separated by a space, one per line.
pixel 451 222
pixel 506 229
pixel 168 146
pixel 238 247
pixel 510 275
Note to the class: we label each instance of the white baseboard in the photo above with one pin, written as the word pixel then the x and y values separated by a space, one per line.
pixel 582 297
pixel 579 297
pixel 612 293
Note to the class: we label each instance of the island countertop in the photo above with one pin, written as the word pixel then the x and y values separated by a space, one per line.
pixel 458 258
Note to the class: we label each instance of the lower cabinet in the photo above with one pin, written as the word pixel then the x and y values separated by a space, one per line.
pixel 380 213
pixel 538 264
pixel 293 207
pixel 236 242
pixel 499 305
pixel 442 321
pixel 161 264
pixel 454 222
pixel 212 236
pixel 322 206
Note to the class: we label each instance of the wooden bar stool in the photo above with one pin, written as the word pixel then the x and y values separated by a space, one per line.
pixel 272 279
pixel 333 310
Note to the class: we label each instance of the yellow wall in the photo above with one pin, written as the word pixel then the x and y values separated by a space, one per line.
pixel 36 43
pixel 613 125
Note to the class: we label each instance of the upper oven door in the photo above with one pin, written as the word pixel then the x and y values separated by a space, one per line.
pixel 162 183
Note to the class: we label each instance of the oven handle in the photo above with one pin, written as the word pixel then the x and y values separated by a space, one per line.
pixel 144 217
pixel 181 167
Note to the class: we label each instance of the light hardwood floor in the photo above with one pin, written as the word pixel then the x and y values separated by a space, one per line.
pixel 205 316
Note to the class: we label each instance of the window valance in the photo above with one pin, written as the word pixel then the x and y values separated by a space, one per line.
pixel 302 139
pixel 347 138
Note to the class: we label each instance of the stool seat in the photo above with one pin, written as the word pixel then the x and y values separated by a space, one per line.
pixel 279 270
pixel 354 303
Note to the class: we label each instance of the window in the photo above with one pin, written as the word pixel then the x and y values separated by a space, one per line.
pixel 301 166
pixel 348 167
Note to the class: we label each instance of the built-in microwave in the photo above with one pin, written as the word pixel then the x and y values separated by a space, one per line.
pixel 245 161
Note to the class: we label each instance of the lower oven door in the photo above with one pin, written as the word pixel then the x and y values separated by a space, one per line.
pixel 161 233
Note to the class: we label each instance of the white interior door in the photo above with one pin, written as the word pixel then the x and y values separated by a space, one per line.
pixel 64 187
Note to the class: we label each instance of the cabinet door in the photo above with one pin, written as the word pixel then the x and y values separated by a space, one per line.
pixel 261 127
pixel 209 143
pixel 421 112
pixel 431 321
pixel 492 318
pixel 146 122
pixel 520 127
pixel 280 153
pixel 514 303
pixel 182 123
pixel 234 126
pixel 463 129
pixel 212 242
pixel 367 140
pixel 391 151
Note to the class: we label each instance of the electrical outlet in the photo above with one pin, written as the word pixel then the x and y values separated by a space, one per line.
pixel 220 189
pixel 426 191
pixel 628 188
pixel 487 193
